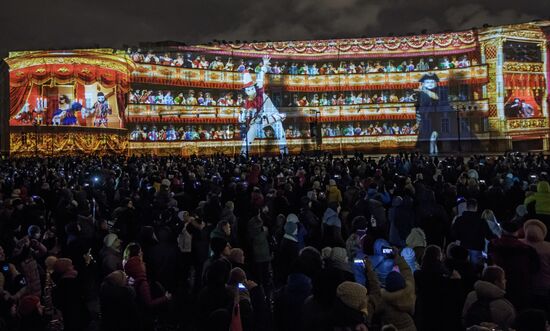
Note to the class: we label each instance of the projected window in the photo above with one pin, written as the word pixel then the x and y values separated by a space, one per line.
pixel 522 52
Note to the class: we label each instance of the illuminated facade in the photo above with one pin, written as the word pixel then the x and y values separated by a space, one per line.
pixel 477 90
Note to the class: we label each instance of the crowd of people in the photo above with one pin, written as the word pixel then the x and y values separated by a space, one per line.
pixel 198 61
pixel 227 99
pixel 399 242
pixel 219 132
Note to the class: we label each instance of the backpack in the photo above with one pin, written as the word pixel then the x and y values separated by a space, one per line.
pixel 479 312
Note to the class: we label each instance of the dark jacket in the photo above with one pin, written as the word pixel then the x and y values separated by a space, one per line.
pixel 471 231
pixel 69 299
pixel 289 302
pixel 519 262
pixel 259 243
pixel 118 307
pixel 401 217
pixel 111 260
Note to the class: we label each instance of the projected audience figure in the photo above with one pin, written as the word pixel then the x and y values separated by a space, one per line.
pixel 260 112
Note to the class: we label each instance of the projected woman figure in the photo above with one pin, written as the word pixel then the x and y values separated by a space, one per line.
pixel 259 112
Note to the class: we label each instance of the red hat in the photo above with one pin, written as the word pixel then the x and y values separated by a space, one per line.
pixel 27 305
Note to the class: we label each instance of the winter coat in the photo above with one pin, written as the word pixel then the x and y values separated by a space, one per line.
pixel 401 217
pixel 535 232
pixel 259 243
pixel 288 253
pixel 164 261
pixel 289 302
pixel 332 229
pixel 334 194
pixel 69 299
pixel 541 198
pixel 471 231
pixel 397 307
pixel 502 310
pixel 519 262
pixel 111 260
pixel 118 307
pixel 381 265
pixel 135 269
pixel 439 300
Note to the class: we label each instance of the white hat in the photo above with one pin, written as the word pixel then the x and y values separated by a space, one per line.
pixel 247 79
pixel 110 239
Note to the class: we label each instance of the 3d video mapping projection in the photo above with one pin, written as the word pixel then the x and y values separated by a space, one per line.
pixel 475 90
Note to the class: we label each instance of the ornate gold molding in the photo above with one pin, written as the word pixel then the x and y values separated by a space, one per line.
pixel 523 67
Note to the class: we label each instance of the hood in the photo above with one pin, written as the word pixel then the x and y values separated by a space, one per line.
pixel 378 244
pixel 299 283
pixel 535 231
pixel 331 218
pixel 134 268
pixel 417 238
pixel 543 187
pixel 397 201
pixel 402 300
pixel 488 290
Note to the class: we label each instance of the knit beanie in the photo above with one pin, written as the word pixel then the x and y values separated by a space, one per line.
pixel 534 223
pixel 394 282
pixel 339 254
pixel 354 296
pixel 110 239
pixel 292 218
pixel 27 305
pixel 236 276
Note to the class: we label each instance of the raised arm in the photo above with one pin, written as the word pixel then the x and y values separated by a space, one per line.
pixel 261 75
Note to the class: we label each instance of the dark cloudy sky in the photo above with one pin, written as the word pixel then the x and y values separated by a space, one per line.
pixel 47 24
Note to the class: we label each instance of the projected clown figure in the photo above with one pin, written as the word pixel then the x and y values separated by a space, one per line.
pixel 259 112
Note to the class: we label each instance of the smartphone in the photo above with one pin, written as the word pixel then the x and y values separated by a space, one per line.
pixel 481 181
pixel 5 267
pixel 241 286
pixel 387 252
pixel 359 262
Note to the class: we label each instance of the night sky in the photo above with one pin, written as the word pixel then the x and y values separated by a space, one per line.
pixel 54 24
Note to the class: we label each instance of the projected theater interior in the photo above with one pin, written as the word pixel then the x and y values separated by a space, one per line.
pixel 477 90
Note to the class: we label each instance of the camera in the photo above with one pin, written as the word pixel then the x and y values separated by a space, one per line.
pixel 388 252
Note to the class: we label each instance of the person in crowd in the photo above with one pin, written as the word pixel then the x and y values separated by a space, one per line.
pixel 487 303
pixel 535 232
pixel 118 305
pixel 518 261
pixel 471 231
pixel 110 254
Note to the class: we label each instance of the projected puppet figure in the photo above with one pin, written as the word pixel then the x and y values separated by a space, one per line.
pixel 101 110
pixel 65 112
pixel 259 112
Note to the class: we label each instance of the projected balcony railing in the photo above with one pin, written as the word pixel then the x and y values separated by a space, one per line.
pixel 201 78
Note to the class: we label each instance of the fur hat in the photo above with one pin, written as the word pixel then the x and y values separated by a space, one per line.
pixel 394 282
pixel 62 265
pixel 292 218
pixel 354 296
pixel 165 182
pixel 339 254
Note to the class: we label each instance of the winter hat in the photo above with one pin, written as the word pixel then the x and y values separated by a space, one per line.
pixel 316 185
pixel 292 218
pixel 33 230
pixel 332 182
pixel 510 227
pixel 339 254
pixel 27 305
pixel 536 223
pixel 394 282
pixel 217 245
pixel 236 255
pixel 165 182
pixel 417 238
pixel 354 296
pixel 110 239
pixel 62 265
pixel 521 210
pixel 359 223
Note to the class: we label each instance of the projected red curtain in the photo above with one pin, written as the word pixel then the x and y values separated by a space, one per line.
pixel 18 96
